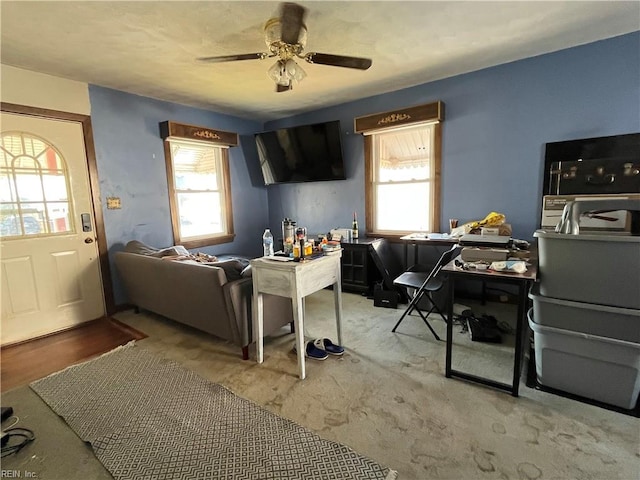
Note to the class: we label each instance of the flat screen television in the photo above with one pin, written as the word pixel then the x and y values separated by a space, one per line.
pixel 306 153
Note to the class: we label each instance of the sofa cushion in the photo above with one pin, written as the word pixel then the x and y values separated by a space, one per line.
pixel 234 266
pixel 134 246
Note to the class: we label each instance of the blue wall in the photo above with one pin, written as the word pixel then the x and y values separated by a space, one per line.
pixel 497 122
pixel 131 165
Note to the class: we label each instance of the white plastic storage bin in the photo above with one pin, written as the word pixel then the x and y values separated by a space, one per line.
pixel 601 320
pixel 598 269
pixel 598 368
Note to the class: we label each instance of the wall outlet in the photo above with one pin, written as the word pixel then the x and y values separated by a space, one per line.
pixel 113 203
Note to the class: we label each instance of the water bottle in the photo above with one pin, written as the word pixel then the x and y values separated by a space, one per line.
pixel 267 243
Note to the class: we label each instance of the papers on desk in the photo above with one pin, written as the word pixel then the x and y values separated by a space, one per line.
pixel 280 258
pixel 438 236
pixel 428 236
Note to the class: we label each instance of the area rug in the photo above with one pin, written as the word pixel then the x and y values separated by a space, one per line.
pixel 150 418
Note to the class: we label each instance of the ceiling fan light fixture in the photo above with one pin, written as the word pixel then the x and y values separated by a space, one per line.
pixel 278 73
pixel 285 72
pixel 294 71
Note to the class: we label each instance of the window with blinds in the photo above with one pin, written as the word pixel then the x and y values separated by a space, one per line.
pixel 403 173
pixel 402 150
pixel 200 189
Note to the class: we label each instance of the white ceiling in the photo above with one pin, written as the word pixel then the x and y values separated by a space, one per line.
pixel 150 48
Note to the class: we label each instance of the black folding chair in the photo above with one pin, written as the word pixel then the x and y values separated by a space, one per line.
pixel 425 284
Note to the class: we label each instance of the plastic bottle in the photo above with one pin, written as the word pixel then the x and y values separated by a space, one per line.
pixel 267 243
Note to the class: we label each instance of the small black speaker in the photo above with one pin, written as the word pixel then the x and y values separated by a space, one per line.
pixel 385 298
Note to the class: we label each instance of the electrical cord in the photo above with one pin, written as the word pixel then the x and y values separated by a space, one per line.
pixel 8 447
pixel 12 432
pixel 14 423
pixel 461 321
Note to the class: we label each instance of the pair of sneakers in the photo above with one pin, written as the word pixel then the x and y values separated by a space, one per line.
pixel 321 348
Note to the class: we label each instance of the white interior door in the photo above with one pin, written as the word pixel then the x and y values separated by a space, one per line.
pixel 49 255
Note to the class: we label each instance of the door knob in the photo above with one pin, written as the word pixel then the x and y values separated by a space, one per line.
pixel 88 240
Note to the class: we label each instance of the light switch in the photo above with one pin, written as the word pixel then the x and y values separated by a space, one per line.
pixel 113 203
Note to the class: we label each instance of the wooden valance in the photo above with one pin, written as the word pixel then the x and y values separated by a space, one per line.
pixel 430 112
pixel 199 134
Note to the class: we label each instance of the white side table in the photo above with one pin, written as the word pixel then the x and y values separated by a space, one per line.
pixel 294 280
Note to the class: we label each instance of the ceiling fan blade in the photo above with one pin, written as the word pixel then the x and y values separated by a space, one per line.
pixel 233 58
pixel 291 22
pixel 338 60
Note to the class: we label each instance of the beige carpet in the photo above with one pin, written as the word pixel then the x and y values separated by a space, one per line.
pixel 389 400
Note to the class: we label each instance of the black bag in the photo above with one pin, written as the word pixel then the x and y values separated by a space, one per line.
pixel 483 329
pixel 384 298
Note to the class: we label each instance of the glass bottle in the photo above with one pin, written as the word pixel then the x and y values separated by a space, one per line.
pixel 354 227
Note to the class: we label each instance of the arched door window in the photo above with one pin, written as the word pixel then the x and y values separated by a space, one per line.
pixel 34 188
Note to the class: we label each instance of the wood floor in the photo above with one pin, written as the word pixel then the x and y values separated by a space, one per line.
pixel 29 361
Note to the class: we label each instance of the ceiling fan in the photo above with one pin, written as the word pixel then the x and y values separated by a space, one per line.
pixel 286 37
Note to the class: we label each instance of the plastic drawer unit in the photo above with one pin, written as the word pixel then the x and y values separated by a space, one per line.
pixel 598 368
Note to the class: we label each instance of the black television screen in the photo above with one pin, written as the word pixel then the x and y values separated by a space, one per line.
pixel 306 153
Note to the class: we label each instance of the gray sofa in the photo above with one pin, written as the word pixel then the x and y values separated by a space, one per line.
pixel 215 297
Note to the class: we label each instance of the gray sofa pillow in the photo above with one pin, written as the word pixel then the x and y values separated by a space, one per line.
pixel 235 267
pixel 232 268
pixel 134 246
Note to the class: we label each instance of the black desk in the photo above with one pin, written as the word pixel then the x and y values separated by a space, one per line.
pixel 417 240
pixel 523 281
